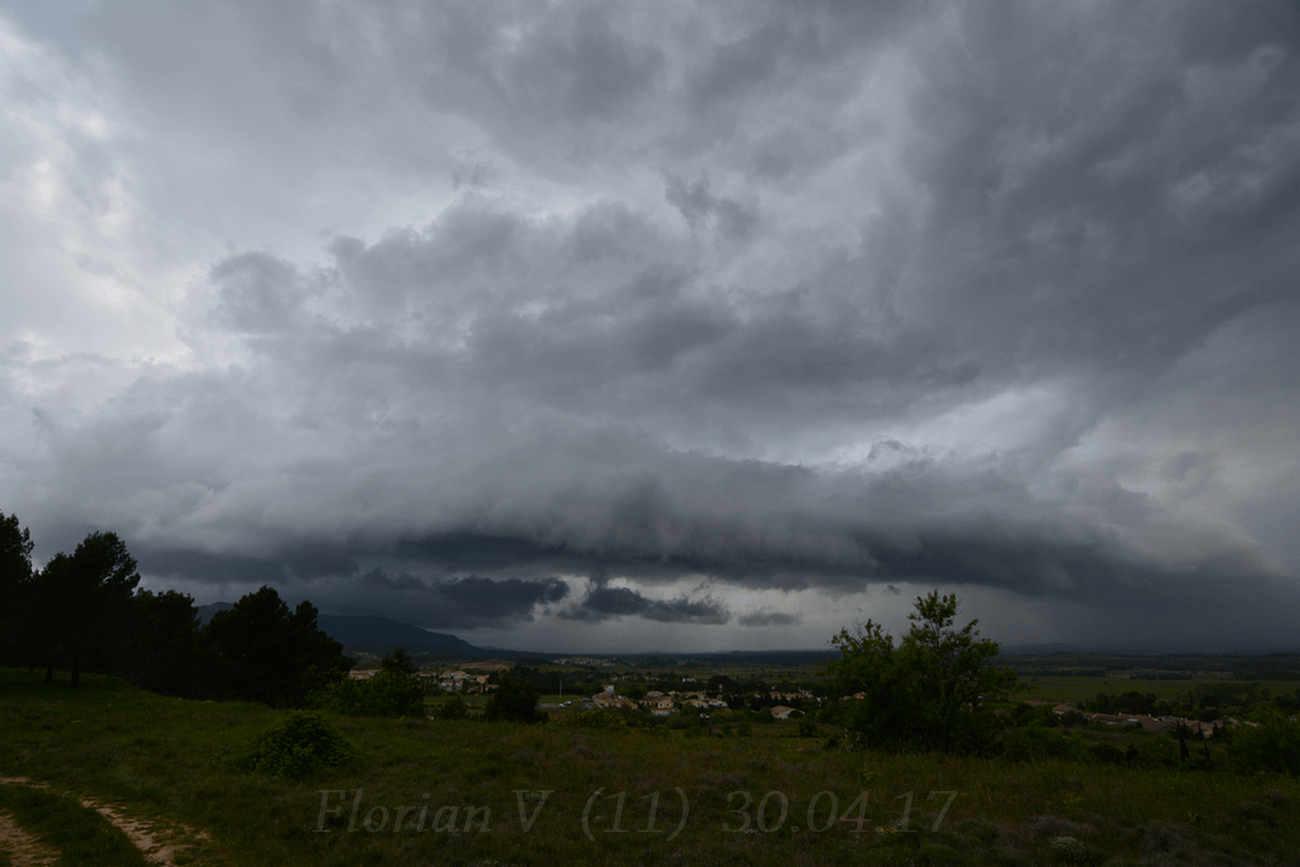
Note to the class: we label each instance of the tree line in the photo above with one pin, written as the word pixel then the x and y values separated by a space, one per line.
pixel 85 612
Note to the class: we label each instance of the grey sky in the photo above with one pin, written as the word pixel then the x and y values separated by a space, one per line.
pixel 606 326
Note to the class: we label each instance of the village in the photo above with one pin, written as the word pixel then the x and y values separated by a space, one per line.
pixel 662 703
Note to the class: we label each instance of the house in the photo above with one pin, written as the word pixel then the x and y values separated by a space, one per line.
pixel 660 702
pixel 607 698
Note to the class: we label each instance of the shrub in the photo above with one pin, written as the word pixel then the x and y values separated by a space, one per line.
pixel 300 743
pixel 1068 850
pixel 1271 747
pixel 387 694
pixel 393 694
pixel 1107 754
pixel 1073 719
pixel 735 730
pixel 1152 754
pixel 453 708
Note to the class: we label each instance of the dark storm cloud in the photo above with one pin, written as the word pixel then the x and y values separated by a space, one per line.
pixel 290 563
pixel 470 602
pixel 530 305
pixel 602 602
pixel 755 297
pixel 1131 209
pixel 332 582
pixel 479 599
pixel 211 568
pixel 774 47
pixel 510 489
pixel 698 205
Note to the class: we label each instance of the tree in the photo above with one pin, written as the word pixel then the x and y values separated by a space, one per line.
pixel 399 662
pixel 161 650
pixel 262 652
pixel 15 554
pixel 15 578
pixel 385 694
pixel 927 692
pixel 397 691
pixel 453 708
pixel 514 701
pixel 79 602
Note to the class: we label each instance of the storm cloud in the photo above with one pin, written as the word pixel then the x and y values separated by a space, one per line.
pixel 605 326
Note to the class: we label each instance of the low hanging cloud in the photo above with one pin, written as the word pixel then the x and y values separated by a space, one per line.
pixel 769 618
pixel 602 602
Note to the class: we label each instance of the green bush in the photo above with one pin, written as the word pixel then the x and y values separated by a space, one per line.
pixel 300 743
pixel 1271 747
pixel 1069 850
pixel 453 708
pixel 1107 754
pixel 1152 754
pixel 386 694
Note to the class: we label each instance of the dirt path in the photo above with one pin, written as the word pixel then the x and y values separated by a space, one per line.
pixel 24 850
pixel 159 844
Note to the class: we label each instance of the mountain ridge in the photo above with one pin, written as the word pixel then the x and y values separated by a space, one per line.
pixel 355 630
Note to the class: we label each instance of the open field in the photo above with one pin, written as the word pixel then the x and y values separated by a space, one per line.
pixel 1076 689
pixel 167 762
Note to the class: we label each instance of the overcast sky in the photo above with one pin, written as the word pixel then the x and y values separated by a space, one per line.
pixel 664 325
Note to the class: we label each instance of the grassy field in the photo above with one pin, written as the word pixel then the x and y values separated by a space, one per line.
pixel 625 797
pixel 1076 689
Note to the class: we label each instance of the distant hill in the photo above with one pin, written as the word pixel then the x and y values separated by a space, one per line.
pixel 353 630
pixel 206 611
pixel 380 634
pixel 792 658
